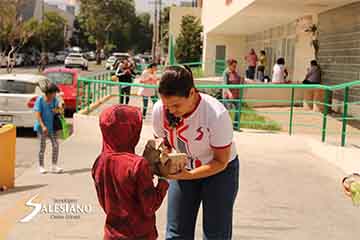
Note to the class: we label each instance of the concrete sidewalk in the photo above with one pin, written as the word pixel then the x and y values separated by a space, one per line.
pixel 286 193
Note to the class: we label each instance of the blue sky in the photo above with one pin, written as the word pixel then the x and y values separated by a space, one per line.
pixel 141 5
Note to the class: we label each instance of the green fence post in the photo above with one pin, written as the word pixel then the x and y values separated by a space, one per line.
pixel 77 96
pixel 83 95
pixel 239 108
pixel 291 111
pixel 344 117
pixel 325 114
pixel 88 98
pixel 94 92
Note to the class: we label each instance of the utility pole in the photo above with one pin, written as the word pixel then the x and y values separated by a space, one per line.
pixel 155 35
pixel 156 44
pixel 42 23
pixel 160 32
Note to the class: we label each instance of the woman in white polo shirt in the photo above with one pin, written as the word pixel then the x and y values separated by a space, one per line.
pixel 200 126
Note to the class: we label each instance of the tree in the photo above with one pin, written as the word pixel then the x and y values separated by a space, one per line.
pixel 80 36
pixel 142 33
pixel 189 43
pixel 101 16
pixel 14 31
pixel 165 19
pixel 51 31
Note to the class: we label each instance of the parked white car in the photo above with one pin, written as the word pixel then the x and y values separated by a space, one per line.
pixel 109 65
pixel 121 56
pixel 76 60
pixel 3 60
pixel 51 57
pixel 60 57
pixel 18 93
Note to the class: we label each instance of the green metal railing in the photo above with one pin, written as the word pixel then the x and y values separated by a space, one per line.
pixel 91 89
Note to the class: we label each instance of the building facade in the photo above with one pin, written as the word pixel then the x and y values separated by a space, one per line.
pixel 283 29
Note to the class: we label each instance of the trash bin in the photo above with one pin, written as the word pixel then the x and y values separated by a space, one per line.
pixel 7 156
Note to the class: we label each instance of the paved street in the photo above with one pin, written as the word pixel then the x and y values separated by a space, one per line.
pixel 34 70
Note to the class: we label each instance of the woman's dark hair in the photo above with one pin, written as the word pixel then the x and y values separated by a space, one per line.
pixel 231 61
pixel 151 65
pixel 176 81
pixel 52 88
pixel 281 61
pixel 263 52
pixel 314 63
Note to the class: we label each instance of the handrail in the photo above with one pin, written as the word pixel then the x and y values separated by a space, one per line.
pixel 93 88
pixel 236 86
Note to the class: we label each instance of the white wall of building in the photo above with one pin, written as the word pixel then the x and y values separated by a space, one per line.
pixel 235 48
pixel 216 12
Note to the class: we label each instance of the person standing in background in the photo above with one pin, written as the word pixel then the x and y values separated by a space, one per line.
pixel 231 76
pixel 261 67
pixel 148 77
pixel 125 74
pixel 252 62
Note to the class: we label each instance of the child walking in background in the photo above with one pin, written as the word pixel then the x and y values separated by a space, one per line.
pixel 45 109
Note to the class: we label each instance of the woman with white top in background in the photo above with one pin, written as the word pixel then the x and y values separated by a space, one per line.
pixel 279 72
pixel 148 77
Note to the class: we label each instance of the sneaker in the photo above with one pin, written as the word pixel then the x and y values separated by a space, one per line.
pixel 42 170
pixel 56 169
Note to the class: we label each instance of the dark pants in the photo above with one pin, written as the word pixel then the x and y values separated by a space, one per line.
pixel 260 74
pixel 250 72
pixel 146 102
pixel 125 93
pixel 217 195
pixel 308 82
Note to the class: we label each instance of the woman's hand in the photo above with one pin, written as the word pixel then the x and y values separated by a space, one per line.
pixel 183 175
pixel 217 165
pixel 45 130
pixel 58 110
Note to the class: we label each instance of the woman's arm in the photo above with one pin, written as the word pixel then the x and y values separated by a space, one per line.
pixel 217 165
pixel 41 122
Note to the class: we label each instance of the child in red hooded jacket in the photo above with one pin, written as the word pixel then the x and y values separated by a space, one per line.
pixel 124 180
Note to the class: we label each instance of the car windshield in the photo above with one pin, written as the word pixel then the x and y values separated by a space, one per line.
pixel 60 78
pixel 13 86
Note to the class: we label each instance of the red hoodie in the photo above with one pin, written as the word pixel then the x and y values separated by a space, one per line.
pixel 123 180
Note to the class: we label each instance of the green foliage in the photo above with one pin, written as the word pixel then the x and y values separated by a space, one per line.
pixel 189 42
pixel 101 18
pixel 51 31
pixel 141 33
pixel 165 19
pixel 14 31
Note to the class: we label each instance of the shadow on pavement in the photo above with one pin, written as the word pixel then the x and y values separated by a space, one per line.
pixel 77 171
pixel 25 132
pixel 22 189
